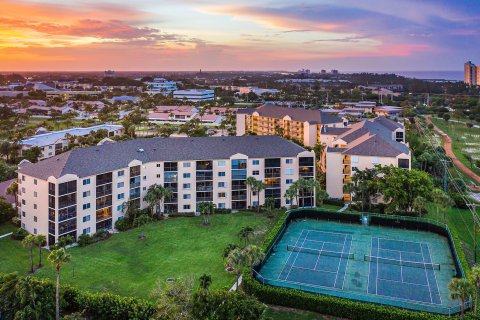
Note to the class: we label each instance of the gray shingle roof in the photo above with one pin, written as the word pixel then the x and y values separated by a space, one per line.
pixel 99 159
pixel 297 114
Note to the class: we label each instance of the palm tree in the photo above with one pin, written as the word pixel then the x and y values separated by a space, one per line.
pixel 258 187
pixel 29 242
pixel 205 209
pixel 290 194
pixel 445 202
pixel 140 222
pixel 436 195
pixel 235 260
pixel 245 233
pixel 460 289
pixel 419 204
pixel 269 204
pixel 57 258
pixel 475 280
pixel 12 190
pixel 40 241
pixel 322 195
pixel 251 182
pixel 205 281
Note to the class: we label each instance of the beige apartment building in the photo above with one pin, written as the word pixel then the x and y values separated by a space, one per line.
pixel 299 124
pixel 84 190
pixel 362 146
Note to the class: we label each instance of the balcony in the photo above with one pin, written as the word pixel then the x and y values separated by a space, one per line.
pixel 346 197
pixel 347 170
pixel 347 160
pixel 347 179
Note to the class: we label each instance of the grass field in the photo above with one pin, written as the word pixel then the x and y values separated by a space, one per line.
pixel 280 313
pixel 123 264
pixel 6 228
pixel 464 140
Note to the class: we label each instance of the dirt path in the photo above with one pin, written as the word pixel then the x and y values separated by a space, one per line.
pixel 447 145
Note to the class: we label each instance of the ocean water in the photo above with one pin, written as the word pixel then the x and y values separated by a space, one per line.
pixel 445 75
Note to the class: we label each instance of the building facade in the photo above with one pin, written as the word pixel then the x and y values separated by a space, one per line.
pixel 161 85
pixel 55 142
pixel 294 123
pixel 471 74
pixel 194 95
pixel 362 146
pixel 85 190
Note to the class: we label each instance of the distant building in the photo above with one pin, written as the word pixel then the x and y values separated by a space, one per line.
pixel 66 94
pixel 161 86
pixel 109 74
pixel 53 143
pixel 295 123
pixel 471 74
pixel 194 95
pixel 323 71
pixel 334 71
pixel 362 146
pixel 183 114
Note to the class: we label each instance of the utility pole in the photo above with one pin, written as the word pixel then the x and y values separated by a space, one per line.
pixel 444 161
pixel 473 206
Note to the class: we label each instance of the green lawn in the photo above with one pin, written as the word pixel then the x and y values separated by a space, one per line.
pixel 464 140
pixel 6 228
pixel 123 264
pixel 280 313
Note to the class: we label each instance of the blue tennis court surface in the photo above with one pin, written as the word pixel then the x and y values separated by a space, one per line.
pixel 318 258
pixel 402 270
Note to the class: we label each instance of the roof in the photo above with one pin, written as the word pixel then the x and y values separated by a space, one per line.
pixel 108 157
pixel 372 138
pixel 334 131
pixel 297 114
pixel 45 139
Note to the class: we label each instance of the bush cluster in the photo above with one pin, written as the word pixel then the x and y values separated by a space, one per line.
pixel 19 234
pixel 86 239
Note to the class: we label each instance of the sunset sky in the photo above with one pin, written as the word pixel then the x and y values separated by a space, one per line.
pixel 350 35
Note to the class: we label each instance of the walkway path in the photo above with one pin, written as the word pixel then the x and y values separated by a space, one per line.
pixel 5 235
pixel 447 145
pixel 345 206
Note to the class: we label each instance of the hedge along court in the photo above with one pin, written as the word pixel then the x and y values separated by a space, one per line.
pixel 397 261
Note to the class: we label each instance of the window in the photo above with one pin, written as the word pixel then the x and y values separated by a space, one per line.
pixel 120 185
pixel 186 164
pixel 34 206
pixel 354 169
pixel 354 159
pixel 120 207
pixel 23 201
pixel 221 163
pixel 255 173
pixel 375 160
pixel 289 181
pixel 86 181
pixel 289 172
pixel 144 188
pixel 187 186
pixel 187 196
pixel 121 196
pixel 186 207
pixel 86 230
pixel 221 205
pixel 186 175
pixel 35 181
pixel 35 194
pixel 221 174
pixel 159 165
pixel 221 195
pixel 120 173
pixel 144 177
pixel 255 162
pixel 289 161
pixel 86 206
pixel 222 184
pixel 86 218
pixel 35 230
pixel 34 218
pixel 86 194
pixel 23 189
pixel 159 176
pixel 403 163
pixel 23 178
pixel 287 201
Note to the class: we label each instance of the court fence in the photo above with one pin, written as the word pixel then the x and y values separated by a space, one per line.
pixel 412 223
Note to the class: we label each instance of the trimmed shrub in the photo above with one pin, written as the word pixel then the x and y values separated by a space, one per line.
pixel 123 225
pixel 84 240
pixel 334 201
pixel 223 211
pixel 19 234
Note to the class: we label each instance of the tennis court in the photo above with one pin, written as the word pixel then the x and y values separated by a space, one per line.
pixel 387 265
pixel 318 258
pixel 403 270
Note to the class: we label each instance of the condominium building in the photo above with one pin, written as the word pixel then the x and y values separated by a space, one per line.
pixel 161 85
pixel 54 142
pixel 194 95
pixel 362 146
pixel 84 190
pixel 294 123
pixel 471 74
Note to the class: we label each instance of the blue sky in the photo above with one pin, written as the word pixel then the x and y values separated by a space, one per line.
pixel 348 35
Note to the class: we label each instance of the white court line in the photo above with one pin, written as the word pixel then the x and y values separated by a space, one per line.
pixel 330 232
pixel 426 275
pixel 310 269
pixel 286 261
pixel 434 275
pixel 404 241
pixel 346 267
pixel 338 243
pixel 340 261
pixel 410 283
pixel 318 258
pixel 401 267
pixel 369 264
pixel 411 252
pixel 298 253
pixel 376 276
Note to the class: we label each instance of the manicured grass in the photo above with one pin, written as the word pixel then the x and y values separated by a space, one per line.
pixel 462 221
pixel 7 227
pixel 464 140
pixel 281 313
pixel 126 265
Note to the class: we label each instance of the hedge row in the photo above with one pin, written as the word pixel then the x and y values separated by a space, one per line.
pixel 458 247
pixel 328 305
pixel 273 232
